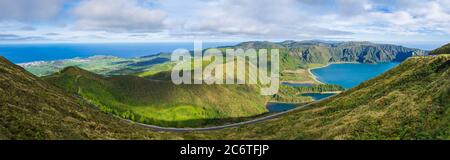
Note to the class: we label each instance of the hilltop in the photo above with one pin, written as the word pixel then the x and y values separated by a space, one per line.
pixel 442 50
pixel 30 108
pixel 410 101
pixel 160 102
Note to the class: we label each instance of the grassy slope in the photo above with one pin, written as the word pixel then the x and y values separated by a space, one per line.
pixel 162 102
pixel 298 76
pixel 295 54
pixel 153 99
pixel 32 109
pixel 443 50
pixel 411 101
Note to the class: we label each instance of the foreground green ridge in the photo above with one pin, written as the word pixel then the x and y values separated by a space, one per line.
pixel 302 54
pixel 411 101
pixel 30 108
pixel 105 65
pixel 443 50
pixel 154 99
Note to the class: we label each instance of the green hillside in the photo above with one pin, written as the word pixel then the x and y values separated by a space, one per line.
pixel 411 101
pixel 296 54
pixel 443 50
pixel 32 109
pixel 161 102
pixel 296 57
pixel 293 55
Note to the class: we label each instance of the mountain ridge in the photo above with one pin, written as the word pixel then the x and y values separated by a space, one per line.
pixel 326 52
pixel 410 101
pixel 160 102
pixel 442 50
pixel 30 108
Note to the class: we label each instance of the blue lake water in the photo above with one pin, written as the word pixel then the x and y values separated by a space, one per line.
pixel 20 53
pixel 349 75
pixel 318 96
pixel 297 84
pixel 279 107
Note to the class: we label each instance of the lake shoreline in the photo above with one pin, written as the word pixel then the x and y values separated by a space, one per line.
pixel 327 92
pixel 350 74
pixel 328 64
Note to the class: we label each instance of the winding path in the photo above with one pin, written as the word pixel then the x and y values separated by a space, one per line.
pixel 171 129
pixel 256 120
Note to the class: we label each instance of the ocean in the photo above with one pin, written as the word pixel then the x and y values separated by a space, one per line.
pixel 21 53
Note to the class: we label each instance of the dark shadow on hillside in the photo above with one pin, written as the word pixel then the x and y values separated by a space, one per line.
pixel 126 71
pixel 201 123
pixel 149 62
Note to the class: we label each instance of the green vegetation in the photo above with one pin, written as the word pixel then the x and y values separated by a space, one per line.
pixel 164 67
pixel 295 54
pixel 161 102
pixel 443 50
pixel 153 99
pixel 32 109
pixel 291 94
pixel 411 101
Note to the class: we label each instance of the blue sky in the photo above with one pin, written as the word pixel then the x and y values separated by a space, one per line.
pixel 392 21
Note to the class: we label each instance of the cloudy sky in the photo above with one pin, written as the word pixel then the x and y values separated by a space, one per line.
pixel 400 21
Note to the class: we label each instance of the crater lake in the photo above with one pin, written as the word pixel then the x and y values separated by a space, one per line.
pixel 349 75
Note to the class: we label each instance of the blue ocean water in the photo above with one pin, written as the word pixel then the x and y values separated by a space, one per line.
pixel 20 53
pixel 349 75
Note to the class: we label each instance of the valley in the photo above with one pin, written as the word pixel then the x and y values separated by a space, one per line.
pixel 139 89
pixel 409 101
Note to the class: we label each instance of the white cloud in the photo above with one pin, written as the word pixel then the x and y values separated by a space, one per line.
pixel 13 37
pixel 401 18
pixel 118 16
pixel 229 19
pixel 257 19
